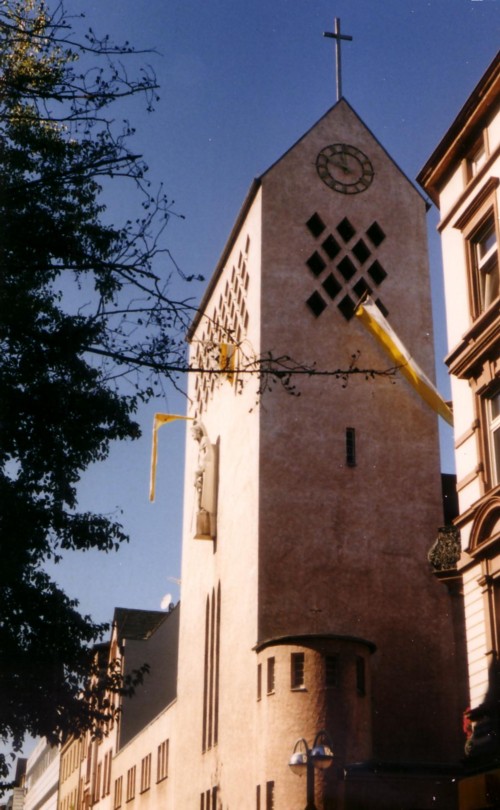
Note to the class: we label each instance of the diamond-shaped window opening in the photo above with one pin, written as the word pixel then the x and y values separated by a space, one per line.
pixel 332 286
pixel 361 251
pixel 347 268
pixel 316 304
pixel 347 307
pixel 316 264
pixel 316 225
pixel 331 247
pixel 346 230
pixel 361 288
pixel 375 234
pixel 377 272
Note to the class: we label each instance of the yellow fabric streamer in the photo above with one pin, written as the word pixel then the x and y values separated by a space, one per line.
pixel 159 420
pixel 227 360
pixel 370 315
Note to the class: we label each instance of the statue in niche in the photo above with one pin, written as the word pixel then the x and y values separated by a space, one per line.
pixel 205 482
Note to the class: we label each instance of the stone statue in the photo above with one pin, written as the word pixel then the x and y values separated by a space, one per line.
pixel 205 481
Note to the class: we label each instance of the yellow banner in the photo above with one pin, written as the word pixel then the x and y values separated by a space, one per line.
pixel 159 420
pixel 227 359
pixel 370 315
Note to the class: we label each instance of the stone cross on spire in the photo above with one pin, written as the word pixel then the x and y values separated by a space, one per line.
pixel 337 36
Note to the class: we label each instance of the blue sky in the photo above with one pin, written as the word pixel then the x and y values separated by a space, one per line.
pixel 240 83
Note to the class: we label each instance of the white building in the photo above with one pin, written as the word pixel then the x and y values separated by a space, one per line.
pixel 463 178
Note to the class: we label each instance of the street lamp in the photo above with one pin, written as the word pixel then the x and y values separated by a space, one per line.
pixel 304 760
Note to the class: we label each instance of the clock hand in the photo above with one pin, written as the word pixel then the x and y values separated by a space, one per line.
pixel 341 165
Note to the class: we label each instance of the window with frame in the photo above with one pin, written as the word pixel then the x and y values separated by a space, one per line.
pixel 146 773
pixel 162 762
pixel 118 793
pixel 492 408
pixel 331 671
pixel 131 784
pixel 269 795
pixel 476 159
pixel 259 681
pixel 270 675
pixel 297 671
pixel 484 257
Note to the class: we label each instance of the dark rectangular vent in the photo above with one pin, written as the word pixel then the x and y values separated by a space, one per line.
pixel 331 247
pixel 375 234
pixel 361 251
pixel 347 307
pixel 346 230
pixel 377 272
pixel 316 304
pixel 332 286
pixel 316 225
pixel 361 288
pixel 316 264
pixel 347 268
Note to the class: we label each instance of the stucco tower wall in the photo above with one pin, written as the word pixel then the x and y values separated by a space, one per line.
pixel 343 549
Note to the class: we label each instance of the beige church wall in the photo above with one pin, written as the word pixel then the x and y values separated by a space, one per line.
pixel 339 544
pixel 231 421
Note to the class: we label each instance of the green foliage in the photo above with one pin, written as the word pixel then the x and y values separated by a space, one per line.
pixel 60 407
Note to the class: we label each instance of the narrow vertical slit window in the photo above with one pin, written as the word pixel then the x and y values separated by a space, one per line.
pixel 350 446
pixel 269 795
pixel 205 678
pixel 360 675
pixel 217 661
pixel 331 671
pixel 297 673
pixel 259 681
pixel 270 675
pixel 257 798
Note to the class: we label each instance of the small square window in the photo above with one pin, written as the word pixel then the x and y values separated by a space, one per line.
pixel 297 671
pixel 316 225
pixel 377 272
pixel 361 251
pixel 316 304
pixel 331 247
pixel 375 234
pixel 347 307
pixel 316 264
pixel 331 286
pixel 347 268
pixel 361 288
pixel 346 230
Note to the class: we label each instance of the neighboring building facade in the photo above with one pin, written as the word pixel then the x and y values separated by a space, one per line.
pixel 463 178
pixel 307 600
pixel 42 777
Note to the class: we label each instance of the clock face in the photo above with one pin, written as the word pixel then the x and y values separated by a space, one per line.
pixel 344 168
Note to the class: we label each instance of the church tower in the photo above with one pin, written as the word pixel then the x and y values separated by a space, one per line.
pixel 307 601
